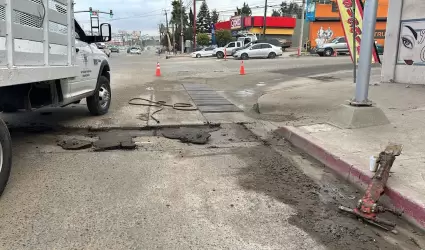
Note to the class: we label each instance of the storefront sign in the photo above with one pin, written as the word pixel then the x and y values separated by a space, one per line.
pixel 310 15
pixel 380 34
pixel 348 18
pixel 236 22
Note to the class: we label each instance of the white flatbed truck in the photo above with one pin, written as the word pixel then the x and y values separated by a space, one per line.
pixel 46 60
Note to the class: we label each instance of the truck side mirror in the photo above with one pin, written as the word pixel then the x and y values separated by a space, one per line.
pixel 105 35
pixel 105 32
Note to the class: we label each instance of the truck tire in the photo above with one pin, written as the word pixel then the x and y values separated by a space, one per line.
pixel 5 156
pixel 220 55
pixel 99 102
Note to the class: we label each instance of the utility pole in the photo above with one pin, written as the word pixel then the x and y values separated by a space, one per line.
pixel 174 37
pixel 181 28
pixel 166 25
pixel 366 45
pixel 264 21
pixel 300 45
pixel 194 25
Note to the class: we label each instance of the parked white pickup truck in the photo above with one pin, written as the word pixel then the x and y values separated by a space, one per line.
pixel 232 46
pixel 46 60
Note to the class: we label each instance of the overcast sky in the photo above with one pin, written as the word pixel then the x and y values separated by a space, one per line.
pixel 145 15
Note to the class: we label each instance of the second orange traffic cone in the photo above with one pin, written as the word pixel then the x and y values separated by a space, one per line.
pixel 158 70
pixel 242 70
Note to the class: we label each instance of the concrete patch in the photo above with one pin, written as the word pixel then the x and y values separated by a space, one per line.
pixel 318 128
pixel 188 135
pixel 113 141
pixel 347 116
pixel 75 144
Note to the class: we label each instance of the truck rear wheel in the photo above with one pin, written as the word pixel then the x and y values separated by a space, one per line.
pixel 5 155
pixel 220 55
pixel 100 101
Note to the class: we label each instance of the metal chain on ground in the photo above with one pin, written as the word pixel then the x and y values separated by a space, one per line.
pixel 161 104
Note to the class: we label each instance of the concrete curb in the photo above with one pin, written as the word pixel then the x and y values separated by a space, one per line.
pixel 303 55
pixel 346 167
pixel 177 56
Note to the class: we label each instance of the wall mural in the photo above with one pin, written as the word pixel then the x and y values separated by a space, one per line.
pixel 324 36
pixel 411 49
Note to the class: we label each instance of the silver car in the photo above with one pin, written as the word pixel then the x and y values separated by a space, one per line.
pixel 259 50
pixel 338 45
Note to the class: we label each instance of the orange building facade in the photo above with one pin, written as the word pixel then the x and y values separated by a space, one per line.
pixel 325 23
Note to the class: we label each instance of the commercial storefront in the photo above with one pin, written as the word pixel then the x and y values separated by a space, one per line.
pixel 404 60
pixel 325 22
pixel 276 27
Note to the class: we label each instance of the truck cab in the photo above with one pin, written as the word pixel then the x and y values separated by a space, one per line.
pixel 227 50
pixel 48 62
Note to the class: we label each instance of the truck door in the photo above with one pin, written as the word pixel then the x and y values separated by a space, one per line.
pixel 87 78
pixel 231 46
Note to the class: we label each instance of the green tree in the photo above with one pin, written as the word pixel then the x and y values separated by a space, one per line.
pixel 204 19
pixel 215 16
pixel 245 10
pixel 176 14
pixel 223 37
pixel 191 18
pixel 275 13
pixel 203 39
pixel 290 9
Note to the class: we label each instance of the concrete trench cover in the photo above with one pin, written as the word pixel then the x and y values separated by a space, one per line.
pixel 208 100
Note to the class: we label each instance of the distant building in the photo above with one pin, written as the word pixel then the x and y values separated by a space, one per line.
pixel 325 22
pixel 276 27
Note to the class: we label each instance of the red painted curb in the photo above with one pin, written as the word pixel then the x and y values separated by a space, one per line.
pixel 346 167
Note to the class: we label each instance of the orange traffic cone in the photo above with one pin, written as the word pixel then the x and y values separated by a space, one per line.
pixel 242 70
pixel 158 70
pixel 335 53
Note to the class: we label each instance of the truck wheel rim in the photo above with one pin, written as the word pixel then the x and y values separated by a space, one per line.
pixel 1 156
pixel 104 96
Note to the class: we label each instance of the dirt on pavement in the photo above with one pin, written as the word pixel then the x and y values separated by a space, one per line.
pixel 316 202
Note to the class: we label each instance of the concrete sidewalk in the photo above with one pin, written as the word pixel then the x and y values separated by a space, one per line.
pixel 310 102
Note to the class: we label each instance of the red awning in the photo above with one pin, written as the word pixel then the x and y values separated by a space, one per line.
pixel 275 22
pixel 222 25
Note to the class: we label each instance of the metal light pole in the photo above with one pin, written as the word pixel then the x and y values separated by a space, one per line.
pixel 365 60
pixel 181 28
pixel 265 19
pixel 194 25
pixel 300 45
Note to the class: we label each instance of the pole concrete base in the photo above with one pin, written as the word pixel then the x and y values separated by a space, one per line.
pixel 349 117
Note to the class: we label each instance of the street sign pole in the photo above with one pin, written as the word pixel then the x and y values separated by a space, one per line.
pixel 300 45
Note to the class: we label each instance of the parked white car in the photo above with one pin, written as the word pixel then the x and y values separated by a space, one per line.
pixel 205 52
pixel 136 51
pixel 259 50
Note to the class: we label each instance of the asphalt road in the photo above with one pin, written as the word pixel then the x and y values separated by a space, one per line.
pixel 241 190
